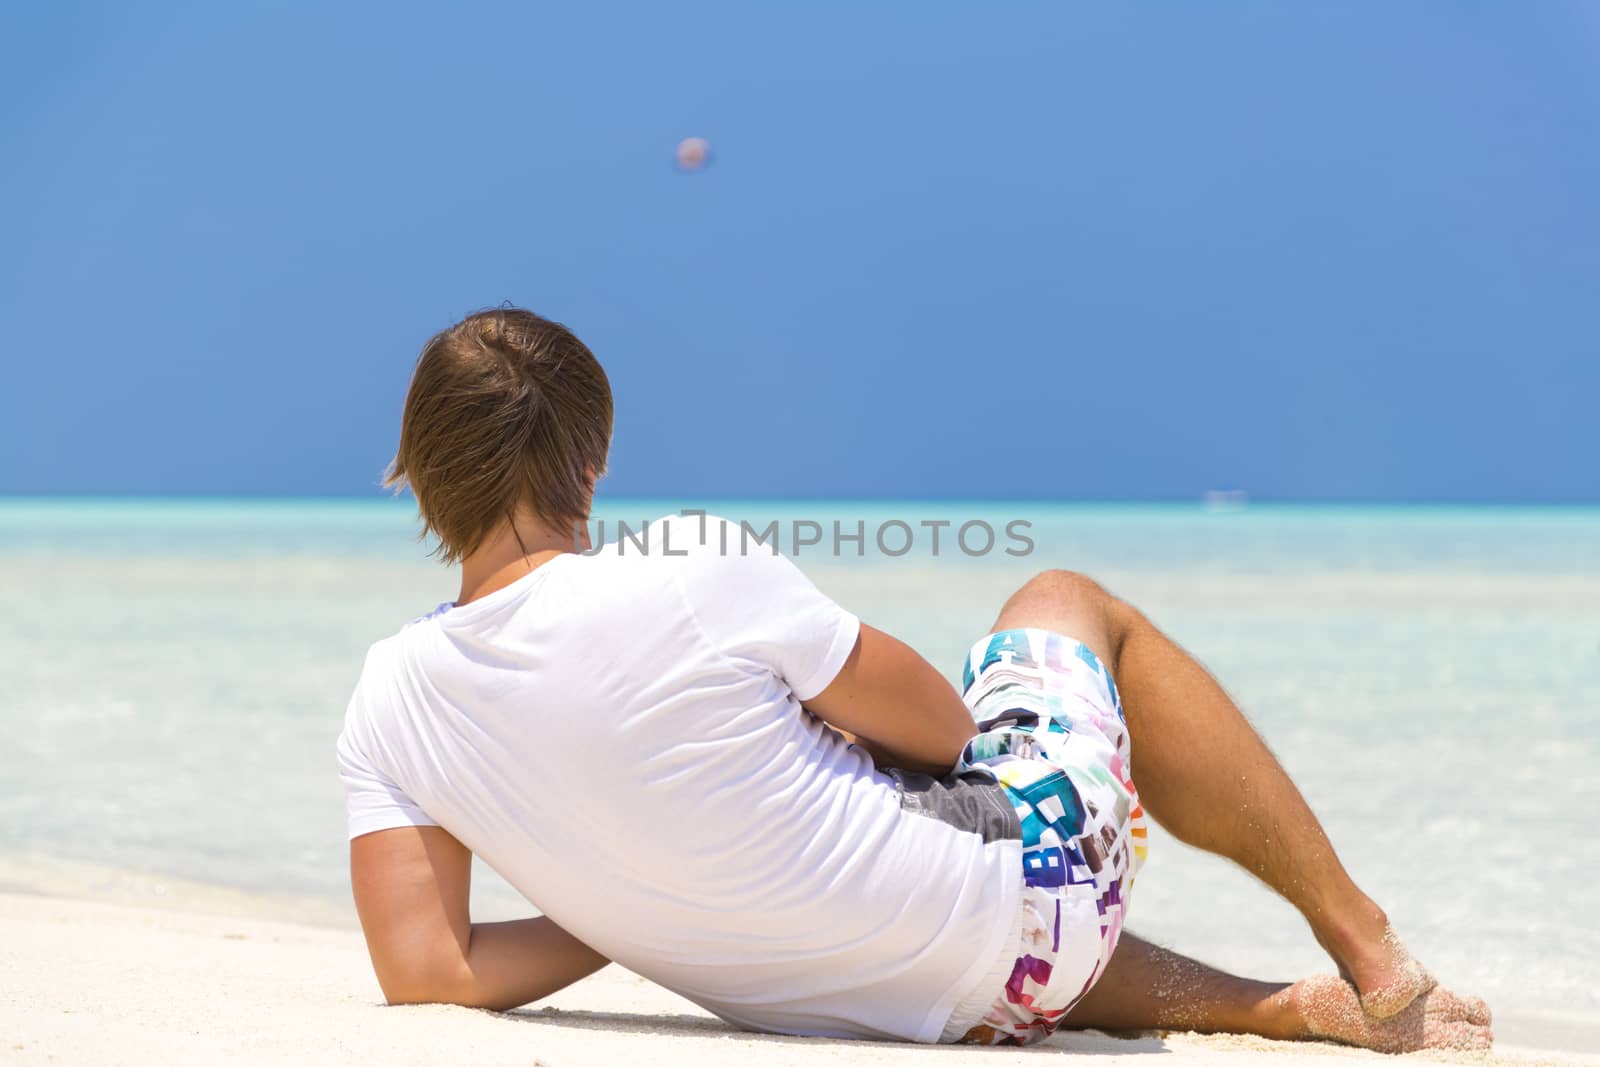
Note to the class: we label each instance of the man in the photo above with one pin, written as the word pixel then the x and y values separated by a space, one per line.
pixel 698 766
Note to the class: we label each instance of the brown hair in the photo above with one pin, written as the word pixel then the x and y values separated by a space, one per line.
pixel 506 409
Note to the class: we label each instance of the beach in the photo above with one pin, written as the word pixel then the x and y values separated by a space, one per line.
pixel 98 983
pixel 172 878
pixel 1202 392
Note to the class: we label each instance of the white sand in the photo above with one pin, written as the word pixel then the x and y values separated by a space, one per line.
pixel 97 983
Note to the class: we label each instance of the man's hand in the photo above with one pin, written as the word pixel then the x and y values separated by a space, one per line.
pixel 411 887
pixel 897 706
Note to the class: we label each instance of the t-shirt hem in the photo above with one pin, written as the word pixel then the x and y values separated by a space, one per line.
pixel 987 976
pixel 360 826
pixel 832 662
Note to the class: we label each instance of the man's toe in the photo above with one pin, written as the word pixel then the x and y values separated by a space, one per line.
pixel 1463 1036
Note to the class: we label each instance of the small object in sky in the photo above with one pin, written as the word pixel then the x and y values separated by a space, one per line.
pixel 693 153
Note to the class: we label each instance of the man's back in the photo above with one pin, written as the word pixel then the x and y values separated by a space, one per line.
pixel 621 737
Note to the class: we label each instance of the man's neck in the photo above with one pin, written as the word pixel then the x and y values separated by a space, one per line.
pixel 512 551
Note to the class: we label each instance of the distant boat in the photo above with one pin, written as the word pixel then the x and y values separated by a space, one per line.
pixel 1226 499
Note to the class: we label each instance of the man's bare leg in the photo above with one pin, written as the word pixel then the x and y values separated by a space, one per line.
pixel 1206 776
pixel 1149 987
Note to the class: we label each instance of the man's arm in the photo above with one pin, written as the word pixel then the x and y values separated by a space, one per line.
pixel 896 704
pixel 411 887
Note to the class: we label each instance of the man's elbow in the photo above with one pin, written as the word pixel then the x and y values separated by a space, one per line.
pixel 417 984
pixel 398 991
pixel 396 994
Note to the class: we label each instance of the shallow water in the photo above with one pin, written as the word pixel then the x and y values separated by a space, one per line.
pixel 174 673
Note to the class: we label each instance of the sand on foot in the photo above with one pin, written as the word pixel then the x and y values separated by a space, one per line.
pixel 1438 1019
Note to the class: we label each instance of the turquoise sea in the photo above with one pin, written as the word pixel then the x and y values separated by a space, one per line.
pixel 173 675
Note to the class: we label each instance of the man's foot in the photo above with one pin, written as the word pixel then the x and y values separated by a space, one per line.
pixel 1329 1007
pixel 1372 958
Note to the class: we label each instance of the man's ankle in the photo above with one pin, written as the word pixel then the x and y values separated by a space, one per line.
pixel 1353 929
pixel 1279 1016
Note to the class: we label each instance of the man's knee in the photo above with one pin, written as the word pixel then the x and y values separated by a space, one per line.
pixel 1066 587
pixel 1071 604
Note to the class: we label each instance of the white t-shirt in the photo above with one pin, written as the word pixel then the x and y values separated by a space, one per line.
pixel 621 737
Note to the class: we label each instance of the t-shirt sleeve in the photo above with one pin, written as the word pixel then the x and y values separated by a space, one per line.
pixel 757 606
pixel 373 801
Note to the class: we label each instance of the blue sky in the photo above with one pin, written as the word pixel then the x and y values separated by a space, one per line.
pixel 1031 251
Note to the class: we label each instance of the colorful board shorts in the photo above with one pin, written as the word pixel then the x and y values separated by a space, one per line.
pixel 1054 737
